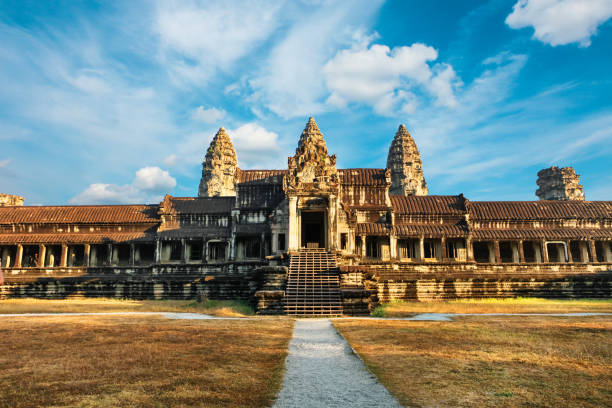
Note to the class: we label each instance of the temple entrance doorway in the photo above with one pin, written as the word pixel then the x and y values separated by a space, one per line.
pixel 313 229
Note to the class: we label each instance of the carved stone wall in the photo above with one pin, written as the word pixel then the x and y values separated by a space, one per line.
pixel 8 199
pixel 219 168
pixel 559 184
pixel 404 162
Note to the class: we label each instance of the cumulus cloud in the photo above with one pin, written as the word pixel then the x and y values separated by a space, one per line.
pixel 171 160
pixel 149 185
pixel 385 78
pixel 560 22
pixel 210 115
pixel 5 162
pixel 257 147
pixel 200 37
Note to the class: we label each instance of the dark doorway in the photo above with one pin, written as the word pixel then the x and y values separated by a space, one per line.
pixel 313 229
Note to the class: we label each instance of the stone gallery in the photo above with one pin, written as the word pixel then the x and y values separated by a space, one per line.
pixel 313 239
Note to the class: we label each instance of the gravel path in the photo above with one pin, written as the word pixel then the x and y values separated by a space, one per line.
pixel 322 371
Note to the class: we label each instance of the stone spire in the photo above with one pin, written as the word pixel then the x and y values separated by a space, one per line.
pixel 404 163
pixel 219 168
pixel 559 184
pixel 312 163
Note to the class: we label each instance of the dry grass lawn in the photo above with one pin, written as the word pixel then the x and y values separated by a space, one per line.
pixel 123 361
pixel 226 308
pixel 490 361
pixel 512 305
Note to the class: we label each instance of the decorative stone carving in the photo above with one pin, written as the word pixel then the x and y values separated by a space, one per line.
pixel 404 162
pixel 559 184
pixel 219 168
pixel 312 168
pixel 10 200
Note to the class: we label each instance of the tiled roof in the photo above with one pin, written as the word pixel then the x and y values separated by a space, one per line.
pixel 203 205
pixel 86 214
pixel 429 230
pixel 373 228
pixel 363 177
pixel 543 209
pixel 76 238
pixel 542 233
pixel 260 176
pixel 428 205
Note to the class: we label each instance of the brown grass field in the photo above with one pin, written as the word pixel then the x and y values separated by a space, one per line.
pixel 511 305
pixel 225 308
pixel 490 361
pixel 123 361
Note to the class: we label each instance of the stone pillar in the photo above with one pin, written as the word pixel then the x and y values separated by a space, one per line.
pixel 110 250
pixel 568 247
pixel 158 251
pixel 521 251
pixel 443 249
pixel 5 258
pixel 537 251
pixel 607 251
pixel 205 253
pixel 593 250
pixel 393 246
pixel 515 252
pixel 544 252
pixel 262 245
pixel 183 251
pixel 363 246
pixel 41 255
pixel 86 253
pixel 421 248
pixel 132 255
pixel 332 228
pixel 294 242
pixel 18 256
pixel 469 249
pixel 64 258
pixel 496 252
pixel 274 242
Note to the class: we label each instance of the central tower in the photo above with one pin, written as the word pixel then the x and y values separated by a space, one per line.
pixel 311 185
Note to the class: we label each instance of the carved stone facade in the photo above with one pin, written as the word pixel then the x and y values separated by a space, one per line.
pixel 405 164
pixel 8 199
pixel 219 168
pixel 559 184
pixel 386 237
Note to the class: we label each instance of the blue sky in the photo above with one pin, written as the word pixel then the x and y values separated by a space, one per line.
pixel 106 102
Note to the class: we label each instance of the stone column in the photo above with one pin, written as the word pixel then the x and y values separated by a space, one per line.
pixel 86 253
pixel 158 251
pixel 5 258
pixel 593 250
pixel 363 246
pixel 42 249
pixel 64 258
pixel 607 251
pixel 205 253
pixel 496 252
pixel 294 242
pixel 570 258
pixel 262 245
pixel 515 252
pixel 537 251
pixel 443 249
pixel 132 255
pixel 18 256
pixel 274 242
pixel 544 252
pixel 469 249
pixel 421 248
pixel 110 250
pixel 183 251
pixel 393 246
pixel 332 228
pixel 521 251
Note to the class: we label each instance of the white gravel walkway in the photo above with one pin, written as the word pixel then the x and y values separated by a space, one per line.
pixel 322 371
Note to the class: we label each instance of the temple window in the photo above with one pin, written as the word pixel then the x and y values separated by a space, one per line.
pixel 194 250
pixel 343 241
pixel 216 251
pixel 481 252
pixel 556 251
pixel 30 256
pixel 455 249
pixel 431 248
pixel 172 251
pixel 506 252
pixel 76 255
pixel 7 256
pixel 249 248
pixel 98 255
pixel 281 242
pixel 144 254
pixel 372 249
pixel 577 252
pixel 408 248
pixel 121 255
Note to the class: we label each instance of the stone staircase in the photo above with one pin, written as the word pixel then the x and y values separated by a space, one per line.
pixel 313 286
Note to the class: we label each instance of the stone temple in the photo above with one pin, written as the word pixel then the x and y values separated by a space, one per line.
pixel 313 238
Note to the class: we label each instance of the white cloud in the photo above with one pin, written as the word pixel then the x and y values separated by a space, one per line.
pixel 383 78
pixel 289 82
pixel 560 22
pixel 5 162
pixel 210 115
pixel 257 147
pixel 171 160
pixel 149 185
pixel 200 37
pixel 153 179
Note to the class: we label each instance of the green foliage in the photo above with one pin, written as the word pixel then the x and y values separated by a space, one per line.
pixel 238 306
pixel 504 394
pixel 379 311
